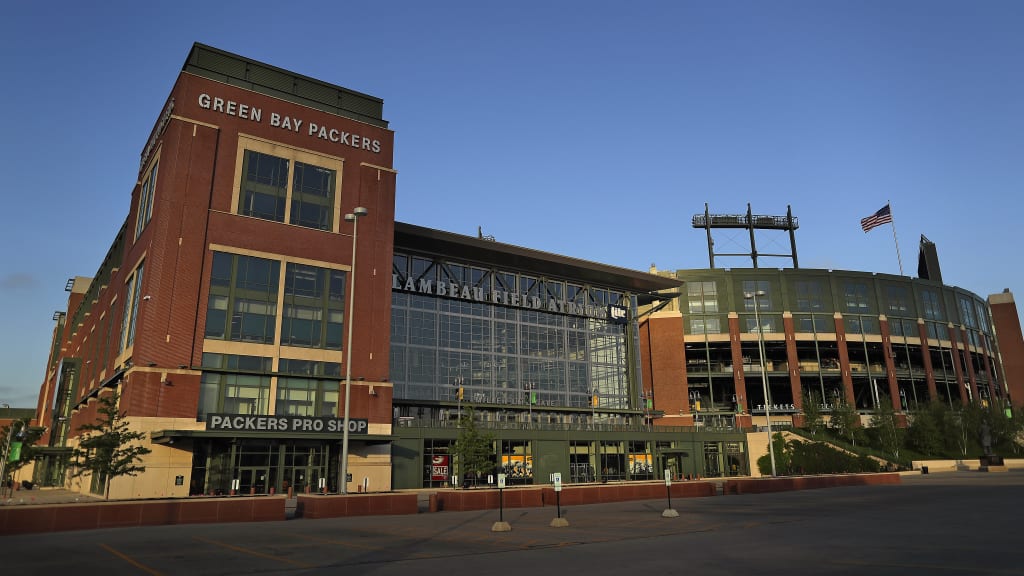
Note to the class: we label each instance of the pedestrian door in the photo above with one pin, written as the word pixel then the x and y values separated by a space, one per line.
pixel 253 480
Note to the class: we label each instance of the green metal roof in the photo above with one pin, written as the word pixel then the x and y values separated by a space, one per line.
pixel 236 70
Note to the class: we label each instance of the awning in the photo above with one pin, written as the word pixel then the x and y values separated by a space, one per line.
pixel 171 436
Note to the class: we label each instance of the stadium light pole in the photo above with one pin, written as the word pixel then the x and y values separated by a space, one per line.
pixel 764 375
pixel 357 213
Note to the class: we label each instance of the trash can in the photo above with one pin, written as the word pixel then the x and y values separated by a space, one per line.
pixel 924 469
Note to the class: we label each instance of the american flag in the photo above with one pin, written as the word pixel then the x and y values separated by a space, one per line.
pixel 883 216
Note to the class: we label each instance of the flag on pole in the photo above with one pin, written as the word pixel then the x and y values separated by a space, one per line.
pixel 883 216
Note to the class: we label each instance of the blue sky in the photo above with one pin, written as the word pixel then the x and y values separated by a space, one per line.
pixel 592 129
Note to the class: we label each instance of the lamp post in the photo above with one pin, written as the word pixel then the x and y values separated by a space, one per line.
pixel 354 219
pixel 764 375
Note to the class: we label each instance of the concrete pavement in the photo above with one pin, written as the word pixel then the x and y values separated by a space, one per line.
pixel 950 523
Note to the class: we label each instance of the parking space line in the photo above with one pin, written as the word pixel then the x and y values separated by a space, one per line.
pixel 255 553
pixel 339 542
pixel 131 561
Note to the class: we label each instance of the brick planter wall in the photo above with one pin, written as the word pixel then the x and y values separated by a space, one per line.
pixel 764 485
pixel 122 514
pixel 336 506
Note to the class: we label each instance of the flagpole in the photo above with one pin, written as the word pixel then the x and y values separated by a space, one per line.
pixel 892 222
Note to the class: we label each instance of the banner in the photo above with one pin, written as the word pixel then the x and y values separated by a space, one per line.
pixel 439 467
pixel 15 453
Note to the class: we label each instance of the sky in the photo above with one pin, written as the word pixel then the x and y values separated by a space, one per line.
pixel 593 129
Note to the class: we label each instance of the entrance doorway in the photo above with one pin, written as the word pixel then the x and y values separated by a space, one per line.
pixel 673 461
pixel 253 480
pixel 301 478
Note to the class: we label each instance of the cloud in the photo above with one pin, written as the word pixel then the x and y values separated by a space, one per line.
pixel 13 282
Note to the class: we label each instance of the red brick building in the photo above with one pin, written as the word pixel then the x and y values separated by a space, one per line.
pixel 235 261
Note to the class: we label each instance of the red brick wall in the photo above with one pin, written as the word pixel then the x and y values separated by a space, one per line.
pixel 666 360
pixel 61 517
pixel 1011 344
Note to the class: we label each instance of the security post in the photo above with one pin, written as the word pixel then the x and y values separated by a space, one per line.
pixel 669 512
pixel 558 522
pixel 501 525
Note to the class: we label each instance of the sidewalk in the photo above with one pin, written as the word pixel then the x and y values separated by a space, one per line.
pixel 25 497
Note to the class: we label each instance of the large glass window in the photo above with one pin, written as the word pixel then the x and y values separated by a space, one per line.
pixel 702 297
pixel 306 397
pixel 234 384
pixel 314 307
pixel 146 194
pixel 288 188
pixel 705 326
pixel 504 354
pixel 810 295
pixel 233 394
pixel 312 196
pixel 759 289
pixel 932 305
pixel 857 299
pixel 242 305
pixel 264 186
pixel 898 301
pixel 967 312
pixel 133 294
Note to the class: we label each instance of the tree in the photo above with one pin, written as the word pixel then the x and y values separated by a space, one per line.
pixel 927 432
pixel 473 448
pixel 108 448
pixel 887 428
pixel 783 455
pixel 24 439
pixel 966 424
pixel 846 422
pixel 1004 428
pixel 813 420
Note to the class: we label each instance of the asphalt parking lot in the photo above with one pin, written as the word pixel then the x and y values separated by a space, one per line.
pixel 948 523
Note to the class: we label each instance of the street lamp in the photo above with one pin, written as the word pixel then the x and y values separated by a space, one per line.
pixel 764 375
pixel 354 219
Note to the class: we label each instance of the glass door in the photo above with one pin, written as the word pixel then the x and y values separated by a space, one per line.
pixel 253 480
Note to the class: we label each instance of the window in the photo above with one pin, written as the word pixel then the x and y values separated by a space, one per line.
pixel 133 292
pixel 764 301
pixel 702 297
pixel 244 392
pixel 967 312
pixel 705 326
pixel 146 194
pixel 809 296
pixel 233 394
pixel 287 185
pixel 814 323
pixel 242 306
pixel 264 186
pixel 856 297
pixel 312 196
pixel 314 307
pixel 306 397
pixel 897 300
pixel 932 305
